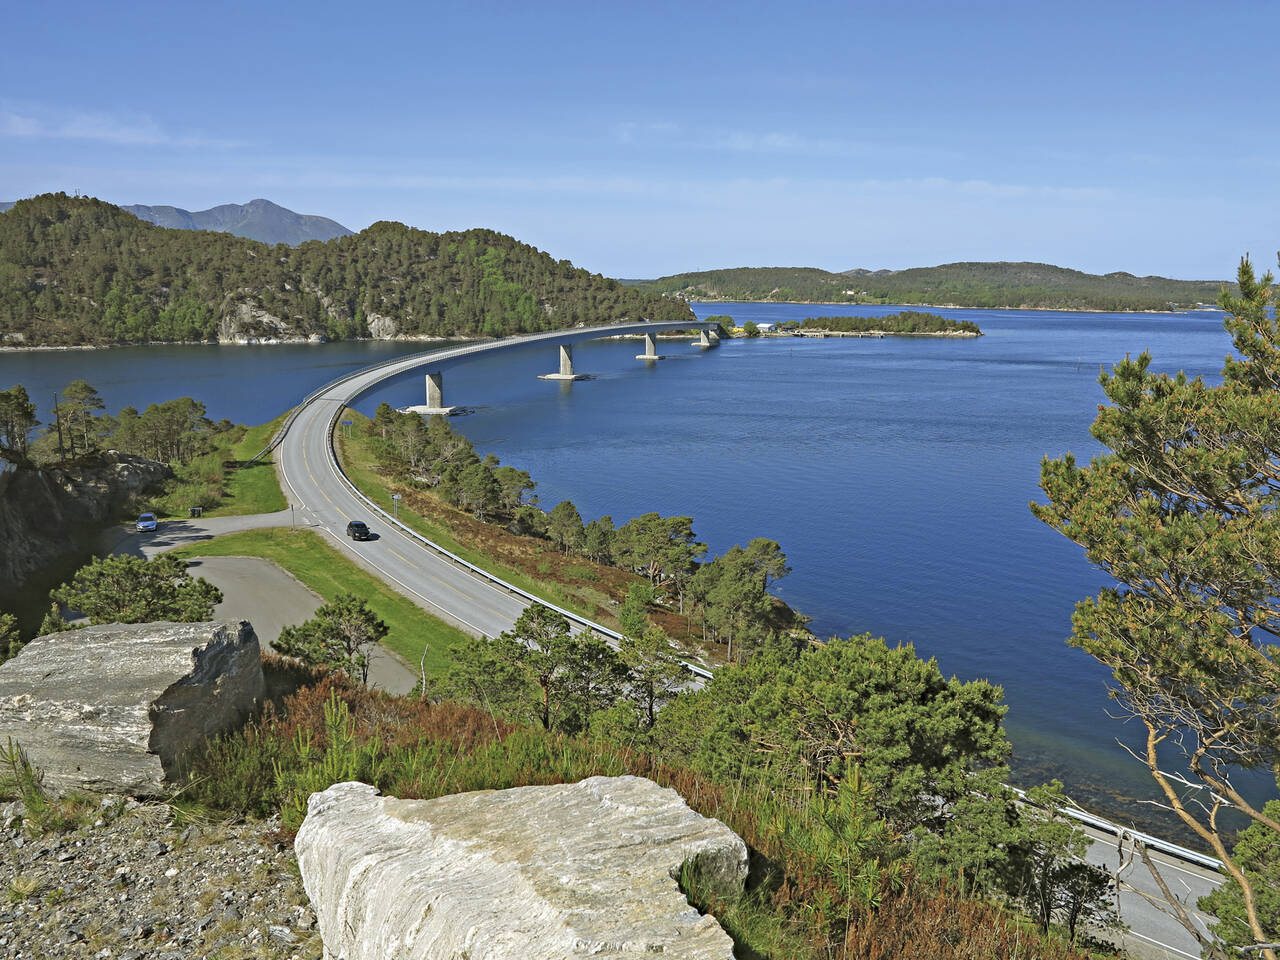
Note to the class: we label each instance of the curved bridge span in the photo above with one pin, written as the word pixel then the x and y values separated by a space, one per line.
pixel 439 581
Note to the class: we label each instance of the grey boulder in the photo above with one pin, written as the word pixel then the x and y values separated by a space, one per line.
pixel 115 708
pixel 536 873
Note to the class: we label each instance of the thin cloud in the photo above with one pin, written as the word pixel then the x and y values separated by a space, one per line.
pixel 632 131
pixel 99 128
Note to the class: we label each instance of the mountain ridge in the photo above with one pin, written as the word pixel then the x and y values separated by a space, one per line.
pixel 258 219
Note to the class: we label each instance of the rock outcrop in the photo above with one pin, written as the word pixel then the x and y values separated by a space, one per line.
pixel 50 516
pixel 115 708
pixel 534 873
pixel 381 327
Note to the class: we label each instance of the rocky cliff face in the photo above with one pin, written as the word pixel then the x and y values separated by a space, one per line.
pixel 50 516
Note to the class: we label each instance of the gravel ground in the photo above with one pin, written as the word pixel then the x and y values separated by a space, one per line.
pixel 138 883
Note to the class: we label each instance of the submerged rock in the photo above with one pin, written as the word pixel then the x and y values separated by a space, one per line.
pixel 114 708
pixel 576 870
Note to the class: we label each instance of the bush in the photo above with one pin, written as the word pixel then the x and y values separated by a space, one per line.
pixel 817 888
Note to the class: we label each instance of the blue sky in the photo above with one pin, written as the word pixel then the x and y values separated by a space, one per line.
pixel 647 139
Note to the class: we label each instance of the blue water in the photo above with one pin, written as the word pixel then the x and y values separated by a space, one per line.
pixel 894 472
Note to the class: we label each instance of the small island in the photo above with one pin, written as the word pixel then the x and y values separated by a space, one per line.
pixel 907 323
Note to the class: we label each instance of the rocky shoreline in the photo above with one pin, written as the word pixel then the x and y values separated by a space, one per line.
pixel 138 880
pixel 12 347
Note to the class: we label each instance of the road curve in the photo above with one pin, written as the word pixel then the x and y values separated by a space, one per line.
pixel 323 499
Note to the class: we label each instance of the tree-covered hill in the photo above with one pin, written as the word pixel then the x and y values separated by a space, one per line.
pixel 960 284
pixel 75 270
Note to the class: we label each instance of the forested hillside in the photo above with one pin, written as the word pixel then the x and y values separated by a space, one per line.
pixel 74 270
pixel 960 284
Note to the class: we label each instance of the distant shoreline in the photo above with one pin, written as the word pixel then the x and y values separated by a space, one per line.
pixel 951 306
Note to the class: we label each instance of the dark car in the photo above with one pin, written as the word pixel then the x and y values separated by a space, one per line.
pixel 358 530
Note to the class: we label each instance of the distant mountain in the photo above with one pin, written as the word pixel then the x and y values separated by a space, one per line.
pixel 999 284
pixel 259 220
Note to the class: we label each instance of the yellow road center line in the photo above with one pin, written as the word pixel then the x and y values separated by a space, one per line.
pixel 406 559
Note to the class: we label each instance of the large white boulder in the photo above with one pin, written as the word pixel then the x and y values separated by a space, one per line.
pixel 533 873
pixel 116 707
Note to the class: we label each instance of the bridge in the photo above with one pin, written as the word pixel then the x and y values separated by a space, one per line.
pixel 563 340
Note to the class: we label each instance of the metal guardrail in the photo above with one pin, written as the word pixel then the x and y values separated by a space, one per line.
pixel 1122 833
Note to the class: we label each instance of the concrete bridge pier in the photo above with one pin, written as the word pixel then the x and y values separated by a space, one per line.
pixel 566 366
pixel 435 398
pixel 707 338
pixel 650 349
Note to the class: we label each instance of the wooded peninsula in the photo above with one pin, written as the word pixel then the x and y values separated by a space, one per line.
pixel 77 271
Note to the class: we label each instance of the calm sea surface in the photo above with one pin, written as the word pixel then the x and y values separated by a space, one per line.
pixel 894 472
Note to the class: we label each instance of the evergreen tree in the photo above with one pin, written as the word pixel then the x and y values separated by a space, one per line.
pixel 339 636
pixel 127 589
pixel 654 675
pixel 17 420
pixel 565 527
pixel 1182 513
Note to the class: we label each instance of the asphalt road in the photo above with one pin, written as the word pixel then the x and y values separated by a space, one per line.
pixel 1152 933
pixel 269 598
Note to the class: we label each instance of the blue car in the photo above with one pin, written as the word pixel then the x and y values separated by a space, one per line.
pixel 146 523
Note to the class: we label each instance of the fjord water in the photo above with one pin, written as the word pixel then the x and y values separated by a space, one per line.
pixel 894 472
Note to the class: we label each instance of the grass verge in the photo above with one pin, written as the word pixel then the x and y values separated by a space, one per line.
pixel 252 488
pixel 222 482
pixel 308 557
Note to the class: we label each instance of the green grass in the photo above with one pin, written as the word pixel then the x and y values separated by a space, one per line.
pixel 256 488
pixel 358 464
pixel 221 482
pixel 308 557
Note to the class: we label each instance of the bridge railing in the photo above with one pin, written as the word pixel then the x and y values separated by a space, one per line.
pixel 448 353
